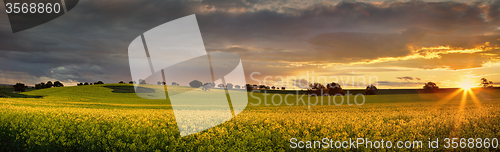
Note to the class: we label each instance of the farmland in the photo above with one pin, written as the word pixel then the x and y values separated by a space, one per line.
pixel 111 118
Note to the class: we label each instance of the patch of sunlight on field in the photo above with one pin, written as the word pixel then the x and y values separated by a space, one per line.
pixel 97 95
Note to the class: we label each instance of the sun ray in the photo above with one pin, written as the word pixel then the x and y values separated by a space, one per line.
pixel 463 100
pixel 474 98
pixel 460 114
pixel 449 97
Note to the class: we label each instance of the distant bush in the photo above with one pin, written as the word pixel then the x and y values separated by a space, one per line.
pixel 49 84
pixel 229 86
pixel 206 87
pixel 19 87
pixel 58 84
pixel 195 84
pixel 431 87
pixel 371 90
pixel 249 87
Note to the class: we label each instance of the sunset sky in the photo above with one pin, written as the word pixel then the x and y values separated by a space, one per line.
pixel 403 43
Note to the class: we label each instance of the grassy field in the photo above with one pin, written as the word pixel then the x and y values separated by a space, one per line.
pixel 112 118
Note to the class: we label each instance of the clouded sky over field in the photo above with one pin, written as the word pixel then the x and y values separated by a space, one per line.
pixel 403 43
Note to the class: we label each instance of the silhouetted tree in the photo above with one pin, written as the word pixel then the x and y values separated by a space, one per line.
pixel 86 83
pixel 335 88
pixel 486 84
pixel 206 87
pixel 58 84
pixel 430 87
pixel 274 88
pixel 316 86
pixel 320 90
pixel 79 84
pixel 39 86
pixel 174 83
pixel 159 83
pixel 121 82
pixel 99 82
pixel 237 86
pixel 229 86
pixel 49 84
pixel 220 85
pixel 249 87
pixel 317 89
pixel 195 84
pixel 131 82
pixel 371 90
pixel 282 88
pixel 19 87
pixel 142 81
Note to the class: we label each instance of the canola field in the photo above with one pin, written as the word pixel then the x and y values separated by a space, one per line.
pixel 111 118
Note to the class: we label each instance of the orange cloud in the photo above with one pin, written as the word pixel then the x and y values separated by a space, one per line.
pixel 445 57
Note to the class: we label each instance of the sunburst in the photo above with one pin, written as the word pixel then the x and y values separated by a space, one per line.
pixel 466 85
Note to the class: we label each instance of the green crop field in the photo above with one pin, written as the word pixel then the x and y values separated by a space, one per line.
pixel 113 118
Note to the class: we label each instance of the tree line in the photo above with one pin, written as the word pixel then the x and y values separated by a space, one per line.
pixel 251 87
pixel 49 84
pixel 21 87
pixel 86 83
pixel 314 88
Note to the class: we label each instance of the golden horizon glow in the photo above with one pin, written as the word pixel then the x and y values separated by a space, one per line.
pixel 466 85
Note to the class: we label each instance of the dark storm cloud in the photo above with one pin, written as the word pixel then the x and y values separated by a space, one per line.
pixel 362 45
pixel 494 11
pixel 91 41
pixel 350 31
pixel 229 5
pixel 87 44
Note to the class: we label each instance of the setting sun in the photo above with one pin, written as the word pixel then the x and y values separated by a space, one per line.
pixel 466 85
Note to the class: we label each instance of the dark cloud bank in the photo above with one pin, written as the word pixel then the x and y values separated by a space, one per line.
pixel 90 42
